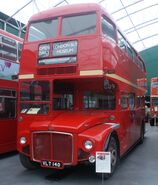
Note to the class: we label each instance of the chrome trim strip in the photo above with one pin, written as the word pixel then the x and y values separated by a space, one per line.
pixel 51 132
pixel 113 125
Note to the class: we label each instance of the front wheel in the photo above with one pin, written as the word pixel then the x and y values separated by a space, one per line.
pixel 27 163
pixel 142 133
pixel 114 150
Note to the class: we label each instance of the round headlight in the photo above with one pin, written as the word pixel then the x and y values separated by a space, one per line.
pixel 22 140
pixel 88 145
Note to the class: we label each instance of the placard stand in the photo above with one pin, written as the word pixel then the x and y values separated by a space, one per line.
pixel 103 163
pixel 102 178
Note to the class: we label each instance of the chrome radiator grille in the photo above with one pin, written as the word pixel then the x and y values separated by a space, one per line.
pixel 53 146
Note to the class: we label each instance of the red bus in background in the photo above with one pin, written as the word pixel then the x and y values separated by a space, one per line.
pixel 10 51
pixel 81 89
pixel 154 102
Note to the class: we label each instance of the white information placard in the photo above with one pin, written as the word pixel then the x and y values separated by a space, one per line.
pixel 103 162
pixel 33 110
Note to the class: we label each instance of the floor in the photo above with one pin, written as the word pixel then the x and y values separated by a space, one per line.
pixel 139 167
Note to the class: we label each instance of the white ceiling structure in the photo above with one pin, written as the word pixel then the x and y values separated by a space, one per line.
pixel 138 19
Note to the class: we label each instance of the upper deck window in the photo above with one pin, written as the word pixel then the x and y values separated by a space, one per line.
pixel 108 28
pixel 140 64
pixel 8 48
pixel 79 24
pixel 130 51
pixel 43 30
pixel 121 41
pixel 135 57
pixel 19 50
pixel 8 52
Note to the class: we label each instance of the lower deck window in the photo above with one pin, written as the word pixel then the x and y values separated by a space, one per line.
pixel 8 52
pixel 7 108
pixel 63 95
pixel 124 101
pixel 154 101
pixel 131 101
pixel 35 91
pixel 63 102
pixel 99 101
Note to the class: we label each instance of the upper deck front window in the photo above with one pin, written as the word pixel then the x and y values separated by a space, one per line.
pixel 42 30
pixel 79 24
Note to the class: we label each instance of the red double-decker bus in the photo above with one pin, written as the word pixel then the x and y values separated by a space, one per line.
pixel 10 51
pixel 154 102
pixel 79 90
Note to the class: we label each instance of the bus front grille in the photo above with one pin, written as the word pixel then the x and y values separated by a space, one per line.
pixel 52 146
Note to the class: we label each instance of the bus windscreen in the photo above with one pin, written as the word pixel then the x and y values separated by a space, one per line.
pixel 71 25
pixel 79 25
pixel 42 30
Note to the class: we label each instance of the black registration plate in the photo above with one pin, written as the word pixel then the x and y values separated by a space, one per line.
pixel 52 164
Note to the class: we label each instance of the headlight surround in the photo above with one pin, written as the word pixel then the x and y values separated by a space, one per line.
pixel 23 140
pixel 88 145
pixel 44 50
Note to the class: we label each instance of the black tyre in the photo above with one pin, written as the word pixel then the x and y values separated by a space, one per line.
pixel 142 133
pixel 113 148
pixel 27 163
pixel 152 122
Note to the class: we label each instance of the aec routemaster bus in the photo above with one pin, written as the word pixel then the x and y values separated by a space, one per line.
pixel 10 51
pixel 79 90
pixel 154 102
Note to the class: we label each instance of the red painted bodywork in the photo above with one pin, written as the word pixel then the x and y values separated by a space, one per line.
pixel 8 127
pixel 95 52
pixel 153 94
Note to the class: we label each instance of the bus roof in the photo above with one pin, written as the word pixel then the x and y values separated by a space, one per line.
pixel 66 10
pixel 11 35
